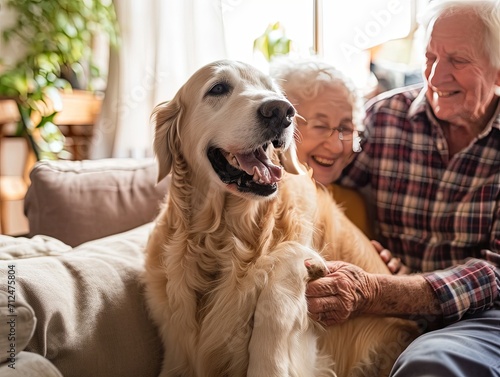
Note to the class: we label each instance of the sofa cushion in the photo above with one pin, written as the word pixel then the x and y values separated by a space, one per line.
pixel 78 201
pixel 31 365
pixel 17 320
pixel 89 306
pixel 19 248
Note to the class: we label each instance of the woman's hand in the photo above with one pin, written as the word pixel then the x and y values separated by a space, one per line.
pixel 345 290
pixel 394 264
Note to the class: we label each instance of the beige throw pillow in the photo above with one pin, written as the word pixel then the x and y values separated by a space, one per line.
pixel 78 201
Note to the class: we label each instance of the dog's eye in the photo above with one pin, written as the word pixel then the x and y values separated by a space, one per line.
pixel 219 89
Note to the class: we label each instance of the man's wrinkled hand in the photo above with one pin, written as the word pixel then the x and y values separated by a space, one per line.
pixel 345 290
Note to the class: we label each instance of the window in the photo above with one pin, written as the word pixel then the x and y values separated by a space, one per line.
pixel 356 34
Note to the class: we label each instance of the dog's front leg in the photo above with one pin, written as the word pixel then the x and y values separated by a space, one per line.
pixel 283 340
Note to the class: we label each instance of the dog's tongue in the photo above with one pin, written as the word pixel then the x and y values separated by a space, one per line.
pixel 258 165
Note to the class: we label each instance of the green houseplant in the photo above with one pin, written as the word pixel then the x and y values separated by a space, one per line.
pixel 273 42
pixel 56 37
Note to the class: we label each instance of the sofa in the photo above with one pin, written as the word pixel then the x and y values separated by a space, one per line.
pixel 71 297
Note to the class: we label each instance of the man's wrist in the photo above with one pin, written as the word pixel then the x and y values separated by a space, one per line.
pixel 370 296
pixel 401 295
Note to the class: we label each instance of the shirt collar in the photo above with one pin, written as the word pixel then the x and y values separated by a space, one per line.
pixel 495 119
pixel 418 105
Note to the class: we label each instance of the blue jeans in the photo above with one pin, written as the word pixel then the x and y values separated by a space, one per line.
pixel 468 348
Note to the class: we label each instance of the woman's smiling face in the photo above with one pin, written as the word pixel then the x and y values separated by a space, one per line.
pixel 327 156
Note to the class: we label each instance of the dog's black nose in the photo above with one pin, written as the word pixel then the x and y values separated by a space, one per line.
pixel 276 114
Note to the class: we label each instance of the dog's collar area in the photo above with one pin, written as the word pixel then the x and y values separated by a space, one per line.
pixel 263 176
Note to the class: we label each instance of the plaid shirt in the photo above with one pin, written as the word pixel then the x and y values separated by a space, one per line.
pixel 433 211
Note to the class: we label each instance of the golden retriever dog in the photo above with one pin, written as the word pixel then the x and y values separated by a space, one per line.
pixel 225 268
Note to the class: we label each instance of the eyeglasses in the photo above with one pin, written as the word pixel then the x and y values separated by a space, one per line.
pixel 324 132
pixel 320 131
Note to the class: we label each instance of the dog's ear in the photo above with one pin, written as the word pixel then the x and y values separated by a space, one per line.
pixel 166 117
pixel 290 161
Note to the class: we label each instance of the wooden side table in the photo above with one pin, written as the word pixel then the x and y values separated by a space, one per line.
pixel 77 120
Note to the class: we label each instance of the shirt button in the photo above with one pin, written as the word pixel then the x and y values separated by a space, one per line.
pixel 439 195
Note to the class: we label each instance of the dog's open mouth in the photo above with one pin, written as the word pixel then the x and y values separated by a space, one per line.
pixel 251 172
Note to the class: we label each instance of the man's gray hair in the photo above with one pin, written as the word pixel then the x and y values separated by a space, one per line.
pixel 488 11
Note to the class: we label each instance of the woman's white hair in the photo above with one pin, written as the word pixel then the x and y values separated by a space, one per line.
pixel 306 78
pixel 488 11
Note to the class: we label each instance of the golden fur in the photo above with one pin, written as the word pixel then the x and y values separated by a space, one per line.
pixel 225 274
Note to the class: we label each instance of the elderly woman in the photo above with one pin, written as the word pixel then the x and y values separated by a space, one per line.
pixel 330 117
pixel 432 165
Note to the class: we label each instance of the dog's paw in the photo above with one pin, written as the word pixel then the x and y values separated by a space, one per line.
pixel 316 269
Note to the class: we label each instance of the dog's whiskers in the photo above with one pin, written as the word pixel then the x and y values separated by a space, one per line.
pixel 297 115
pixel 297 135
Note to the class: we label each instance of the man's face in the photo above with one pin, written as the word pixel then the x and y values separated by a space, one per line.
pixel 461 79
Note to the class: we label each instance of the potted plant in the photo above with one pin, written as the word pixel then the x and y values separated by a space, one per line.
pixel 56 36
pixel 273 42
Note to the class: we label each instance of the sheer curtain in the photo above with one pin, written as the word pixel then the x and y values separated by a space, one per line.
pixel 163 43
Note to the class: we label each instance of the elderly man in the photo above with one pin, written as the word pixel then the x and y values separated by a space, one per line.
pixel 432 165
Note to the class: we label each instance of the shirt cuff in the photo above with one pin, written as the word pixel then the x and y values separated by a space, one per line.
pixel 464 289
